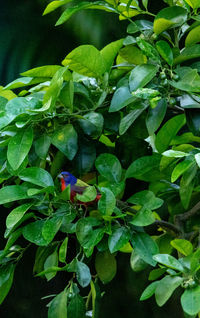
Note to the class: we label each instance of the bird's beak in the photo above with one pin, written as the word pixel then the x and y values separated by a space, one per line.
pixel 60 176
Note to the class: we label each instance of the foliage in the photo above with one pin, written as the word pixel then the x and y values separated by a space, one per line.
pixel 127 114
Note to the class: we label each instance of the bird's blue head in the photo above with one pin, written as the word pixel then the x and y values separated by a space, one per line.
pixel 68 178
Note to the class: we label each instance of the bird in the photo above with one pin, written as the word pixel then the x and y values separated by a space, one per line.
pixel 77 186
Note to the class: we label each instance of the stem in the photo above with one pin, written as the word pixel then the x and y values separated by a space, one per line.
pixel 168 226
pixel 185 216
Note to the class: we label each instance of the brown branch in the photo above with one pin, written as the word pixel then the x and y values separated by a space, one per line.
pixel 185 216
pixel 168 226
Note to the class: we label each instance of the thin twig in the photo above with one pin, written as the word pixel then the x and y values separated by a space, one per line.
pixel 168 226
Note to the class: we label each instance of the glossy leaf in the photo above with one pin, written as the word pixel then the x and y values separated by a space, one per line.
pixel 109 52
pixel 165 51
pixel 92 124
pixel 121 98
pixel 145 168
pixel 133 55
pixel 109 167
pixel 118 238
pixel 6 279
pixel 51 261
pixel 129 119
pixel 147 199
pixel 65 139
pixel 106 266
pixel 156 115
pixel 107 202
pixel 193 3
pixel 143 217
pixel 53 5
pixel 165 288
pixel 181 168
pixel 141 75
pixel 17 214
pixel 83 274
pixel 190 301
pixel 76 307
pixel 183 246
pixel 37 176
pixel 58 306
pixel 86 60
pixel 149 291
pixel 188 53
pixel 136 262
pixel 145 247
pixel 42 71
pixel 168 132
pixel 168 18
pixel 169 261
pixel 51 227
pixel 12 193
pixel 33 233
pixel 63 250
pixel 42 145
pixel 18 147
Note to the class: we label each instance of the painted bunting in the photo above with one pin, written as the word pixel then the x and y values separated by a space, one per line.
pixel 76 186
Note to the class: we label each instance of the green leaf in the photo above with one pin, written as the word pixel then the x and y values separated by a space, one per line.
pixel 37 176
pixel 6 279
pixel 86 60
pixel 51 227
pixel 148 50
pixel 133 55
pixel 42 145
pixel 145 168
pixel 17 214
pixel 193 37
pixel 156 273
pixel 63 250
pixel 109 52
pixel 143 217
pixel 51 261
pixel 169 261
pixel 136 262
pixel 42 71
pixel 190 301
pixel 118 238
pixel 145 247
pixel 169 18
pixel 92 124
pixel 86 235
pixel 58 306
pixel 182 167
pixel 107 202
pixel 12 193
pixel 139 25
pixel 147 199
pixel 109 167
pixel 76 307
pixel 188 53
pixel 88 195
pixel 83 274
pixel 189 82
pixel 165 288
pixel 168 132
pixel 183 246
pixel 121 98
pixel 106 266
pixel 129 119
pixel 18 147
pixel 53 5
pixel 65 139
pixel 141 75
pixel 67 95
pixel 193 3
pixel 149 291
pixel 174 154
pixel 156 115
pixel 165 51
pixel 187 185
pixel 33 233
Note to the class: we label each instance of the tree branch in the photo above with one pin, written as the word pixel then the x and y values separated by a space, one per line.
pixel 185 216
pixel 168 226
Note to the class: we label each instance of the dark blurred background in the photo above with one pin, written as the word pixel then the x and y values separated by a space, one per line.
pixel 29 40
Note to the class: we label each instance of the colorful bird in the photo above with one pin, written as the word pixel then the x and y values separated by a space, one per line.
pixel 77 186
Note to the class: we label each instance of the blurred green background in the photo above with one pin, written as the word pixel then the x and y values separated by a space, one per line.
pixel 28 40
